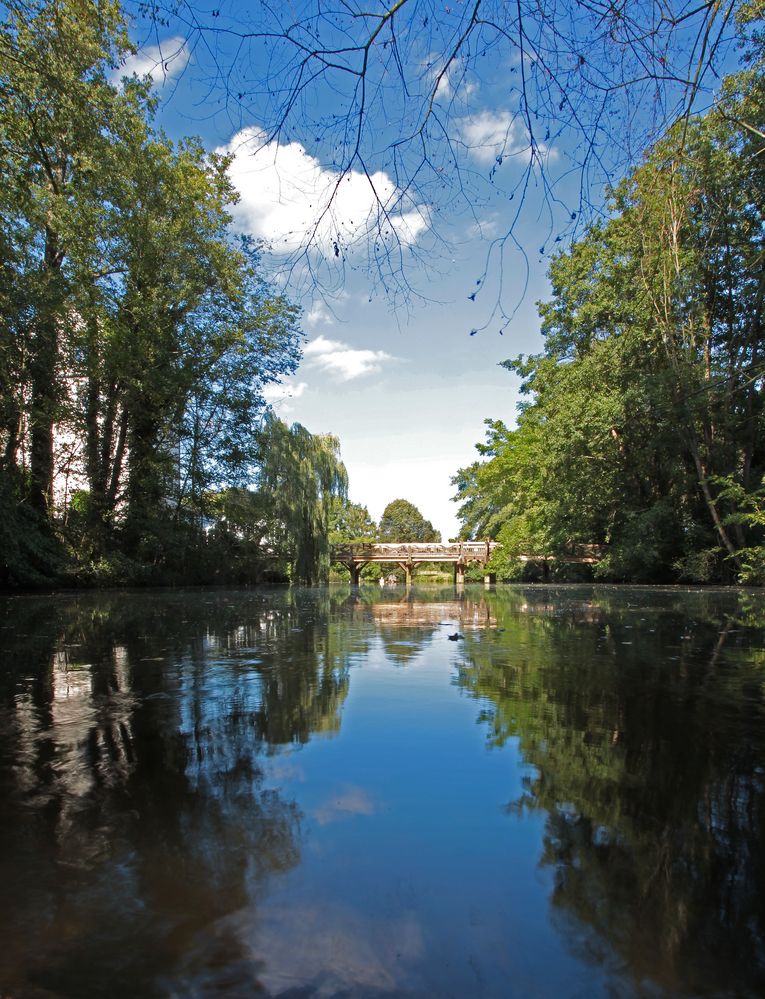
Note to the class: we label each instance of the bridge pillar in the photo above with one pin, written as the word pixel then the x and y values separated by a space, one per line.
pixel 459 574
pixel 490 579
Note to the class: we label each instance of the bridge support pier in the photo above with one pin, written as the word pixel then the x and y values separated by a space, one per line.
pixel 459 574
pixel 490 579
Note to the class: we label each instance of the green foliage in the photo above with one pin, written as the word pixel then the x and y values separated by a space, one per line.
pixel 350 522
pixel 749 513
pixel 643 429
pixel 32 557
pixel 134 327
pixel 303 476
pixel 402 521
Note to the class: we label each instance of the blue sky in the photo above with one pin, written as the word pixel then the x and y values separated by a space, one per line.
pixel 390 364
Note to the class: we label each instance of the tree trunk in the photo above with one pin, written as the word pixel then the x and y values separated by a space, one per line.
pixel 43 363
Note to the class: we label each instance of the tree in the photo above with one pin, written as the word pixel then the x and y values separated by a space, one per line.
pixel 302 475
pixel 402 521
pixel 645 422
pixel 137 333
pixel 60 118
pixel 350 522
pixel 175 387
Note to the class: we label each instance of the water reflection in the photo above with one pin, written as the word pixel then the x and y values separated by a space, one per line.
pixel 244 793
pixel 408 620
pixel 134 811
pixel 643 722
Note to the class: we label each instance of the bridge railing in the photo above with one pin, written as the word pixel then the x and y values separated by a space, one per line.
pixel 464 551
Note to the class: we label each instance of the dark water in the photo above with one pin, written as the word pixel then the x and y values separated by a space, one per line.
pixel 320 794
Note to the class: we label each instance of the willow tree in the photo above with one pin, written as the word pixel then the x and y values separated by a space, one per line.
pixel 301 473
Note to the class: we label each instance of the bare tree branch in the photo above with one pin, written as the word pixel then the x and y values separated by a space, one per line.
pixel 445 109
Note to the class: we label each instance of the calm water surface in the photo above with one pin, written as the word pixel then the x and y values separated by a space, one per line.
pixel 319 793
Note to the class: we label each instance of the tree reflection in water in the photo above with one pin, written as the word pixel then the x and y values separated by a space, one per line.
pixel 647 757
pixel 135 823
pixel 144 838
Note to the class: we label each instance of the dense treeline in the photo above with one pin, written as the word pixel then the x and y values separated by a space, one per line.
pixel 136 337
pixel 643 427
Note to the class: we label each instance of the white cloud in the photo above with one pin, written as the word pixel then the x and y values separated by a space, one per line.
pixel 345 362
pixel 354 800
pixel 318 315
pixel 330 948
pixel 279 394
pixel 161 62
pixel 492 134
pixel 452 82
pixel 484 229
pixel 288 198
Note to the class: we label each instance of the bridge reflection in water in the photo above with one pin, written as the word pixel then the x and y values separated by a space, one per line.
pixel 408 555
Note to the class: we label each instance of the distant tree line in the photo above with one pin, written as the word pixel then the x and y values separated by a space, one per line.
pixel 350 523
pixel 136 338
pixel 642 428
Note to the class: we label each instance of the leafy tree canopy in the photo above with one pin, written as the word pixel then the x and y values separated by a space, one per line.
pixel 349 522
pixel 643 425
pixel 402 521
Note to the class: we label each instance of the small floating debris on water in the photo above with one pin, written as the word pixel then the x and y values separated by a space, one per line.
pixel 455 636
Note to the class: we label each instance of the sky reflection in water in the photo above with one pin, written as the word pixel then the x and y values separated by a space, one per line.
pixel 319 794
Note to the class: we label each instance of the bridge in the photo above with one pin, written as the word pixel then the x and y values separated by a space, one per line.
pixel 408 555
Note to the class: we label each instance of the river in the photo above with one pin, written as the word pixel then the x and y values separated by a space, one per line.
pixel 533 791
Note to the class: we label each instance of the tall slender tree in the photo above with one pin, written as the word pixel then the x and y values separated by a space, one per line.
pixel 59 117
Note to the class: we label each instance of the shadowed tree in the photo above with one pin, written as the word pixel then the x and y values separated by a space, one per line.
pixel 60 118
